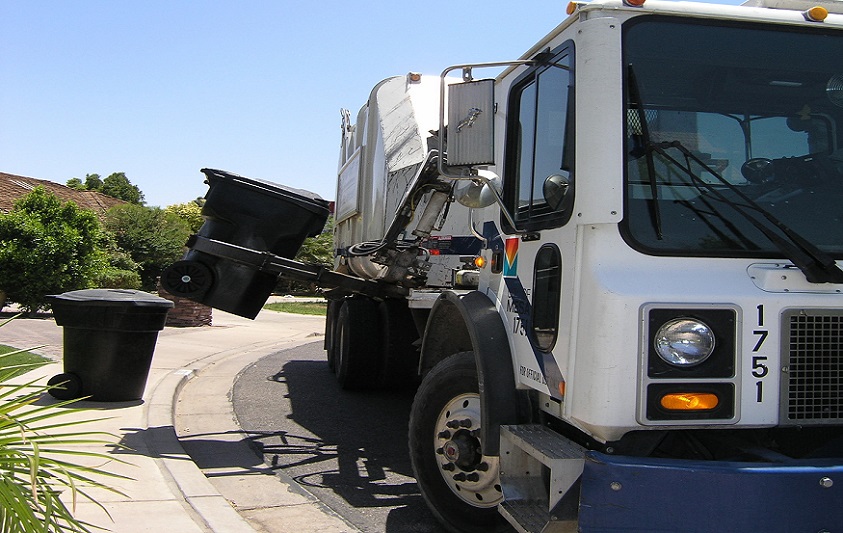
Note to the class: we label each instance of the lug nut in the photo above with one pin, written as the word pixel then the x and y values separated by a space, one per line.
pixel 474 476
pixel 459 477
pixel 444 434
pixel 448 467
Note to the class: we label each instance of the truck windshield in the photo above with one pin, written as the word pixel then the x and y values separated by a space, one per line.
pixel 717 114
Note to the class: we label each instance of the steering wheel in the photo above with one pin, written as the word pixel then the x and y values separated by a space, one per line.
pixel 758 170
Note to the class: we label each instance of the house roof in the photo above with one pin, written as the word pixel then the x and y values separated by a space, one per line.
pixel 14 187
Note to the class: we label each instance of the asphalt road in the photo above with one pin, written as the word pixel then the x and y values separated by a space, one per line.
pixel 347 448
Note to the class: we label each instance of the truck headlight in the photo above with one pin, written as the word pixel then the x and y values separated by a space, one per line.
pixel 684 342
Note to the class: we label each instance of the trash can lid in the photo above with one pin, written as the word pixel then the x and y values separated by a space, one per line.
pixel 113 297
pixel 304 199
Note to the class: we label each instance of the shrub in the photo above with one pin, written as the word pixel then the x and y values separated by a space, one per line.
pixel 152 237
pixel 48 247
pixel 190 213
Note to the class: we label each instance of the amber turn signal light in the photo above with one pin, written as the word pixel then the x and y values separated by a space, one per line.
pixel 689 401
pixel 816 14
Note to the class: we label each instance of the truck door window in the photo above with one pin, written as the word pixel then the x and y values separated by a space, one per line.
pixel 539 185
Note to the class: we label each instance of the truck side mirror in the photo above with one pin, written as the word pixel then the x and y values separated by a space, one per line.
pixel 554 190
pixel 471 134
pixel 481 191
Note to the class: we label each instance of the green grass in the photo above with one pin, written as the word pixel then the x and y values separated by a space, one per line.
pixel 21 358
pixel 299 308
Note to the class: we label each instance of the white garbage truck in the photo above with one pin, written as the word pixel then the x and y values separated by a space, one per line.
pixel 614 268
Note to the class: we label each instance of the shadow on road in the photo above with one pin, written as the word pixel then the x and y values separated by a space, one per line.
pixel 348 448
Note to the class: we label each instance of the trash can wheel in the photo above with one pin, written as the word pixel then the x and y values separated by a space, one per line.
pixel 187 278
pixel 66 386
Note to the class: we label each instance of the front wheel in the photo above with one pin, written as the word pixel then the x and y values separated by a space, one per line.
pixel 460 484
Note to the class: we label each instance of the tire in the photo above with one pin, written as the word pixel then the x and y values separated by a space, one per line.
pixel 399 366
pixel 460 485
pixel 330 333
pixel 357 344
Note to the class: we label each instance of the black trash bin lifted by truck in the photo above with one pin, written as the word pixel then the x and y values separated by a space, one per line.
pixel 252 230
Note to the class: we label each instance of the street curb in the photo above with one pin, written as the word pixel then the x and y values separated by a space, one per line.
pixel 203 501
pixel 302 507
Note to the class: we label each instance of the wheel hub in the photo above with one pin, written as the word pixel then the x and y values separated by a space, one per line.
pixel 472 476
pixel 463 450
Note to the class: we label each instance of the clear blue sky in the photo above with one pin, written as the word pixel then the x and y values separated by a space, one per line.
pixel 161 88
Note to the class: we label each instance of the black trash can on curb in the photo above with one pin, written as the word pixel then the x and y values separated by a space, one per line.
pixel 109 340
pixel 250 213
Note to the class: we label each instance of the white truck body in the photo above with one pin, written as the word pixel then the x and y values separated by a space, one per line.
pixel 616 267
pixel 582 292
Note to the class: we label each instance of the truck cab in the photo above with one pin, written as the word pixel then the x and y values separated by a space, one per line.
pixel 664 257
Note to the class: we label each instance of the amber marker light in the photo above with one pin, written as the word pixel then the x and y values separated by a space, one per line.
pixel 572 6
pixel 816 14
pixel 689 401
pixel 479 262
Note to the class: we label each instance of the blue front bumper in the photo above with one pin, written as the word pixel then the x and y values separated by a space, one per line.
pixel 649 495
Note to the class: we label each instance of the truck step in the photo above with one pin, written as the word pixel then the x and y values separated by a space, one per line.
pixel 533 517
pixel 543 443
pixel 539 473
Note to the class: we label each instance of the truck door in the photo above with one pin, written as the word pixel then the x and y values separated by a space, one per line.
pixel 539 192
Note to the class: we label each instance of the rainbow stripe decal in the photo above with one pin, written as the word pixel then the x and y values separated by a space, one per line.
pixel 510 262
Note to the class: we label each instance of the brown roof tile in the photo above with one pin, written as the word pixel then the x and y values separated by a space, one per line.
pixel 14 187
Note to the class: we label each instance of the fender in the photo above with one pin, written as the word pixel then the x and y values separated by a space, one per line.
pixel 463 322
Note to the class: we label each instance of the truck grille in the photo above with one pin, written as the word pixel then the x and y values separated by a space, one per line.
pixel 812 385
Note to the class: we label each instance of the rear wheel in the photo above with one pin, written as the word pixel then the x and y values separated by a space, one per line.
pixel 458 482
pixel 357 344
pixel 399 367
pixel 330 333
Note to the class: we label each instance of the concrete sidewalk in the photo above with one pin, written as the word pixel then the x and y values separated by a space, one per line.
pixel 187 396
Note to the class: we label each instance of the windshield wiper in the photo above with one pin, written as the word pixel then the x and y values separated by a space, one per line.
pixel 635 97
pixel 818 266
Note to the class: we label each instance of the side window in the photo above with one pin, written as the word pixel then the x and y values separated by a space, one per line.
pixel 547 290
pixel 539 181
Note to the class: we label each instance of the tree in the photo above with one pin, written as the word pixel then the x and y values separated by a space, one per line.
pixel 76 183
pixel 152 237
pixel 48 247
pixel 190 213
pixel 121 272
pixel 93 182
pixel 318 250
pixel 117 185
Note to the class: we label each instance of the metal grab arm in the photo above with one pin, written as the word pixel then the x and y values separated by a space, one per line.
pixel 281 266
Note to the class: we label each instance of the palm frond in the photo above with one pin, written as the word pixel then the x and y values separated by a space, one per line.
pixel 40 450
